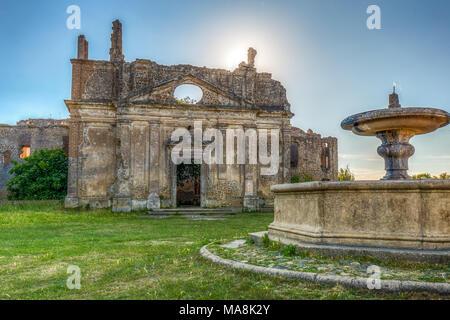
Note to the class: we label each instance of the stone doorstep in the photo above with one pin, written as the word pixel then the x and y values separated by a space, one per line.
pixel 200 211
pixel 346 281
pixel 383 253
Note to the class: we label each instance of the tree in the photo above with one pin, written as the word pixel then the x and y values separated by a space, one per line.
pixel 187 100
pixel 41 176
pixel 422 176
pixel 444 176
pixel 346 175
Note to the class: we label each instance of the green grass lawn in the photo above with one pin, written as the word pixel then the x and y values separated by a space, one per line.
pixel 129 256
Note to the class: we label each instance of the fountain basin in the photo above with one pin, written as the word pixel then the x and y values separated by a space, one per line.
pixel 403 214
pixel 415 120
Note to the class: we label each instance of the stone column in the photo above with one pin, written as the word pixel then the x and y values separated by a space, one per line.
pixel 153 201
pixel 122 199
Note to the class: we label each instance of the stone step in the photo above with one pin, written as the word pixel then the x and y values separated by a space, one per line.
pixel 202 211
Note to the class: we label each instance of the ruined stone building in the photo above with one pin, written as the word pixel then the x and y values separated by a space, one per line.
pixel 122 116
pixel 19 141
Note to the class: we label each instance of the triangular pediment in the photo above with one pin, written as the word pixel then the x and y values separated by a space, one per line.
pixel 163 92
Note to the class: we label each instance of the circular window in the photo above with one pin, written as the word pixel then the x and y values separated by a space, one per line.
pixel 188 94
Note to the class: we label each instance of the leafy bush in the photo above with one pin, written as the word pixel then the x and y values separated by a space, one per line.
pixel 249 240
pixel 346 175
pixel 275 245
pixel 289 250
pixel 265 240
pixel 42 176
pixel 301 178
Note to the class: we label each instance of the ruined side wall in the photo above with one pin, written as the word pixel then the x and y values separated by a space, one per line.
pixel 333 153
pixel 310 155
pixel 92 156
pixel 37 133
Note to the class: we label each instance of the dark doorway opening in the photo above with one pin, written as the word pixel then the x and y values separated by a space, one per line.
pixel 188 185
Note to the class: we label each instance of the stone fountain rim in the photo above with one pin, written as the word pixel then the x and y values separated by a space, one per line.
pixel 408 185
pixel 377 114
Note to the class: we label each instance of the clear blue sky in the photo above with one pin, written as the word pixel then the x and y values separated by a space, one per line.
pixel 330 63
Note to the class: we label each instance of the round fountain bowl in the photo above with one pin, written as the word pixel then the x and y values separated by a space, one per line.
pixel 412 119
pixel 394 219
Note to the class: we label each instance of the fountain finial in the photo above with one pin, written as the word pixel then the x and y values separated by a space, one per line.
pixel 393 99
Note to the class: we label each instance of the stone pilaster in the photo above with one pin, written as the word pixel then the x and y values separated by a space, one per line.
pixel 122 200
pixel 139 161
pixel 72 200
pixel 153 200
pixel 251 200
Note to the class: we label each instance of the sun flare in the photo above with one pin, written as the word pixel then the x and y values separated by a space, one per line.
pixel 234 56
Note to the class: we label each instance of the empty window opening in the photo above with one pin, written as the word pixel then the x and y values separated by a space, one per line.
pixel 26 152
pixel 6 157
pixel 325 158
pixel 188 94
pixel 294 156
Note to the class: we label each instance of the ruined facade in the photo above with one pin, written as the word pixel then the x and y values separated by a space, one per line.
pixel 122 115
pixel 19 141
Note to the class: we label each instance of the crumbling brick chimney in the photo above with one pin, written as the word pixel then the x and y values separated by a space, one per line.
pixel 115 52
pixel 83 48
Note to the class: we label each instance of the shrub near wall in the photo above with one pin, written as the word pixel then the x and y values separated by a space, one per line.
pixel 41 176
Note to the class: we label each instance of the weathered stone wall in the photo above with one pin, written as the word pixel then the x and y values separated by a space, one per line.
pixel 36 133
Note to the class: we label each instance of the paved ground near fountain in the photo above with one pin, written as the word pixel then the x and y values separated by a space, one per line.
pixel 394 276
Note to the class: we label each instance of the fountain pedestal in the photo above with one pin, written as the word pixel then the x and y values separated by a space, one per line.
pixel 395 150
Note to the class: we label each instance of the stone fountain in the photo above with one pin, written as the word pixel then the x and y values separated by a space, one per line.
pixel 395 126
pixel 394 217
